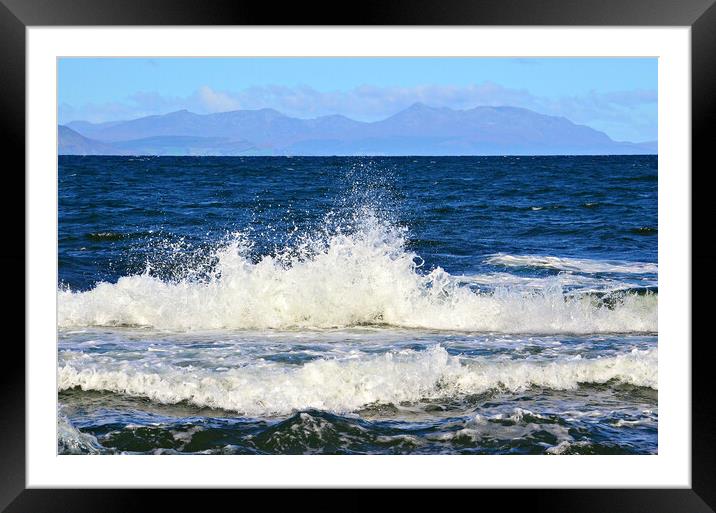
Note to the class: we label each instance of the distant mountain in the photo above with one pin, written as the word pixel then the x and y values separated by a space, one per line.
pixel 417 130
pixel 70 142
pixel 651 147
pixel 182 145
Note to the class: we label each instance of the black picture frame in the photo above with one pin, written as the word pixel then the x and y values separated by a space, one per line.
pixel 16 15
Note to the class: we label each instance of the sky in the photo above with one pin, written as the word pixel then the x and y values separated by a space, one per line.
pixel 615 95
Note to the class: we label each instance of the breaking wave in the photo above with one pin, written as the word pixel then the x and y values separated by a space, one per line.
pixel 347 385
pixel 365 277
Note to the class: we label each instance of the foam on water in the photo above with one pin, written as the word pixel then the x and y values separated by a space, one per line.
pixel 72 441
pixel 569 282
pixel 366 277
pixel 573 264
pixel 344 385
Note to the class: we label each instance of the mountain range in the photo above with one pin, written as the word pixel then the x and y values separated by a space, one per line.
pixel 417 130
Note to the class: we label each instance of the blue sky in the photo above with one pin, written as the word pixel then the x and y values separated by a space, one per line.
pixel 616 95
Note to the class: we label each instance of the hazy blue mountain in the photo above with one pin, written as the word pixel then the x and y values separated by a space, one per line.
pixel 70 142
pixel 417 130
pixel 648 146
pixel 183 145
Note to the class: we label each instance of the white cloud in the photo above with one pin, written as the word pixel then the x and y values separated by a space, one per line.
pixel 216 101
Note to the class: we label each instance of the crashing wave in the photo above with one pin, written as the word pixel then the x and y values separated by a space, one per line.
pixel 346 385
pixel 346 279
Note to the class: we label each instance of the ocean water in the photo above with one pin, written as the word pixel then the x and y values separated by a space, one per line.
pixel 473 305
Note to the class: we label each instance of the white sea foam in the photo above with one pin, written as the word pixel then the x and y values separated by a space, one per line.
pixel 574 283
pixel 482 427
pixel 70 440
pixel 581 265
pixel 566 445
pixel 347 384
pixel 363 278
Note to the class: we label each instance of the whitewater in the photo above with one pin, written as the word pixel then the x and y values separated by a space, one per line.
pixel 342 386
pixel 362 278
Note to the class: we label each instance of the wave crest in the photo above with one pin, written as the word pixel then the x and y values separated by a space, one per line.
pixel 366 277
pixel 347 385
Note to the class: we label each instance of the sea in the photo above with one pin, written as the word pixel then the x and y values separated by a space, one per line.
pixel 357 305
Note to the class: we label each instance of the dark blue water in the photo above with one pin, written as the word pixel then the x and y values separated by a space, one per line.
pixel 113 209
pixel 411 304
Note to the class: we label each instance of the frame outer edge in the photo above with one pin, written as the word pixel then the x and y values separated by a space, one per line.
pixel 12 103
pixel 369 12
pixel 703 119
pixel 12 258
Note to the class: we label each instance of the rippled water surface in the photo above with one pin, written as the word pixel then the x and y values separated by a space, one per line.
pixel 358 305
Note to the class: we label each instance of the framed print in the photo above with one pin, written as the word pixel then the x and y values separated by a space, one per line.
pixel 445 247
